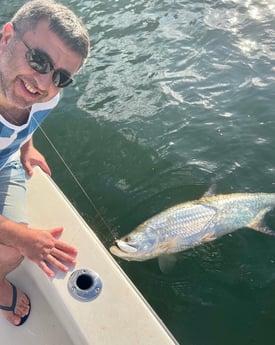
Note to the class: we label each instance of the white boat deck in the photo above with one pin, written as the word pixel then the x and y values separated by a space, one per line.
pixel 118 316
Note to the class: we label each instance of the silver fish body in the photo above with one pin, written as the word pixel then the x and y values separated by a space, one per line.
pixel 192 223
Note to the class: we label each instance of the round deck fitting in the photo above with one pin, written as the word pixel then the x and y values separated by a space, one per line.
pixel 85 285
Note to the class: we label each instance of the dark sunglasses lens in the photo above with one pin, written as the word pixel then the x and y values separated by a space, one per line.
pixel 39 61
pixel 61 78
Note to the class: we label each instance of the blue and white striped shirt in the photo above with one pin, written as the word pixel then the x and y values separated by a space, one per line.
pixel 12 137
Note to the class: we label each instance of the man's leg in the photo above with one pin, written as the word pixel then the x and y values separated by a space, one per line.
pixel 12 206
pixel 10 258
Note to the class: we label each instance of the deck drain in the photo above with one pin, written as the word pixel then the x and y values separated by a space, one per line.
pixel 85 284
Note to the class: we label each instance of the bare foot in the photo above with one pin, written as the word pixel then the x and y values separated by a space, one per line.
pixel 22 306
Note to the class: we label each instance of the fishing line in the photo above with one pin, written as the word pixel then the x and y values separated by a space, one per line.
pixel 77 181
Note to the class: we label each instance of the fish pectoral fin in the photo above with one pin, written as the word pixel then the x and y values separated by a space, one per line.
pixel 259 226
pixel 167 263
pixel 208 238
pixel 168 244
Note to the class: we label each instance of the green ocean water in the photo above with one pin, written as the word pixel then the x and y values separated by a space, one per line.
pixel 176 96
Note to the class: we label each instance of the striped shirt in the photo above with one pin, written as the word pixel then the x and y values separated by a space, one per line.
pixel 12 137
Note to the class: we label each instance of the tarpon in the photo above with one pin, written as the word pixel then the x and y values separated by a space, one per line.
pixel 190 224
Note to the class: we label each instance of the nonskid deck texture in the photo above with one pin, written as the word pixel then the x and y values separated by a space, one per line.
pixel 119 315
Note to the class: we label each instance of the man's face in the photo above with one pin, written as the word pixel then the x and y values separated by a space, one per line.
pixel 20 85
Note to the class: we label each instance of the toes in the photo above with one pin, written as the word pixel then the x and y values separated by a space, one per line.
pixel 23 307
pixel 13 319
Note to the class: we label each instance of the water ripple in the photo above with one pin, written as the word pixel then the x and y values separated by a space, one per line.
pixel 182 94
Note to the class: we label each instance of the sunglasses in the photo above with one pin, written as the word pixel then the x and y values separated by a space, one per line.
pixel 41 63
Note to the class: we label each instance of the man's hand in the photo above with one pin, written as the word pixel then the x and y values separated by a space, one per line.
pixel 30 157
pixel 44 248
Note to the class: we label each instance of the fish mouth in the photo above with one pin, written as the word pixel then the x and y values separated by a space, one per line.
pixel 125 247
pixel 122 249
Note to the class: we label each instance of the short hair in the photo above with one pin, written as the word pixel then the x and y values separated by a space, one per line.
pixel 62 21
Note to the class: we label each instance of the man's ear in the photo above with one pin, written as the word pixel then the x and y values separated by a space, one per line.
pixel 7 32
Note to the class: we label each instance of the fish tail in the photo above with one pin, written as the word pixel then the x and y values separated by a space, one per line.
pixel 258 225
pixel 265 230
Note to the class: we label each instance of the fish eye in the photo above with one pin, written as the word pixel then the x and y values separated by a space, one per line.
pixel 127 239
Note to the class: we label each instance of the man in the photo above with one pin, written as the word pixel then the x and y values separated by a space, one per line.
pixel 41 49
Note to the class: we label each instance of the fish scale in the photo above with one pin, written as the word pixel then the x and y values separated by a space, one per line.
pixel 195 222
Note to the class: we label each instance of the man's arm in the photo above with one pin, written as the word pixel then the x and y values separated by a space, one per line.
pixel 40 246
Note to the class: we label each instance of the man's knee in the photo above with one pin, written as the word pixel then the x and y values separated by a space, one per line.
pixel 10 256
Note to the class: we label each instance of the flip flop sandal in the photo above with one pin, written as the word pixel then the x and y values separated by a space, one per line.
pixel 12 307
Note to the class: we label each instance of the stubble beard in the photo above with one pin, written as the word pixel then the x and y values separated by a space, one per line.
pixel 7 93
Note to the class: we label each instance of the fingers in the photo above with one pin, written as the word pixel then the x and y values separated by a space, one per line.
pixel 53 261
pixel 63 257
pixel 50 273
pixel 28 165
pixel 60 258
pixel 63 246
pixel 57 232
pixel 50 253
pixel 66 248
pixel 44 166
pixel 28 168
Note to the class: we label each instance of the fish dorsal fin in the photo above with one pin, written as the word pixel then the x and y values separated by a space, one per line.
pixel 211 191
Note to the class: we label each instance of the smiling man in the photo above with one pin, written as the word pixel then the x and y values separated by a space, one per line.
pixel 41 49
